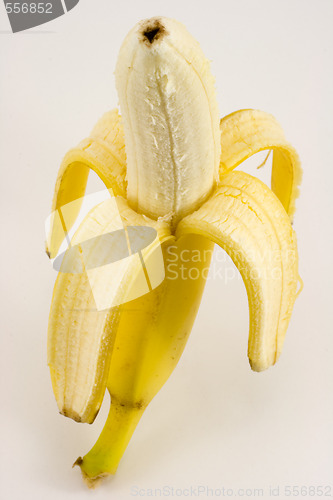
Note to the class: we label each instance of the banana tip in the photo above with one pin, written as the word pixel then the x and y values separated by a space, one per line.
pixel 152 30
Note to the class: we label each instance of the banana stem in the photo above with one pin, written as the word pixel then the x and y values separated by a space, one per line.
pixel 105 455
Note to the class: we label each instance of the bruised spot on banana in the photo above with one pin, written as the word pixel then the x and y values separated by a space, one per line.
pixel 169 161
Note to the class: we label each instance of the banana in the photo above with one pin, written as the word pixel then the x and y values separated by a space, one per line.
pixel 121 315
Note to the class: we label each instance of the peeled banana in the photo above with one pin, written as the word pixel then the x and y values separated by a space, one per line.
pixel 122 322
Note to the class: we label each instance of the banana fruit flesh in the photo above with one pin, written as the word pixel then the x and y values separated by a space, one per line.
pixel 168 163
pixel 172 165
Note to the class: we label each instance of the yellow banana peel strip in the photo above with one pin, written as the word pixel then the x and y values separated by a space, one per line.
pixel 104 153
pixel 247 220
pixel 81 334
pixel 248 131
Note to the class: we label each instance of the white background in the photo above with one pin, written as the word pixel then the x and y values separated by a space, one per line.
pixel 215 423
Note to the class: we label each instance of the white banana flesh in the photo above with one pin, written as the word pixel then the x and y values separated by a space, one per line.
pixel 171 120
